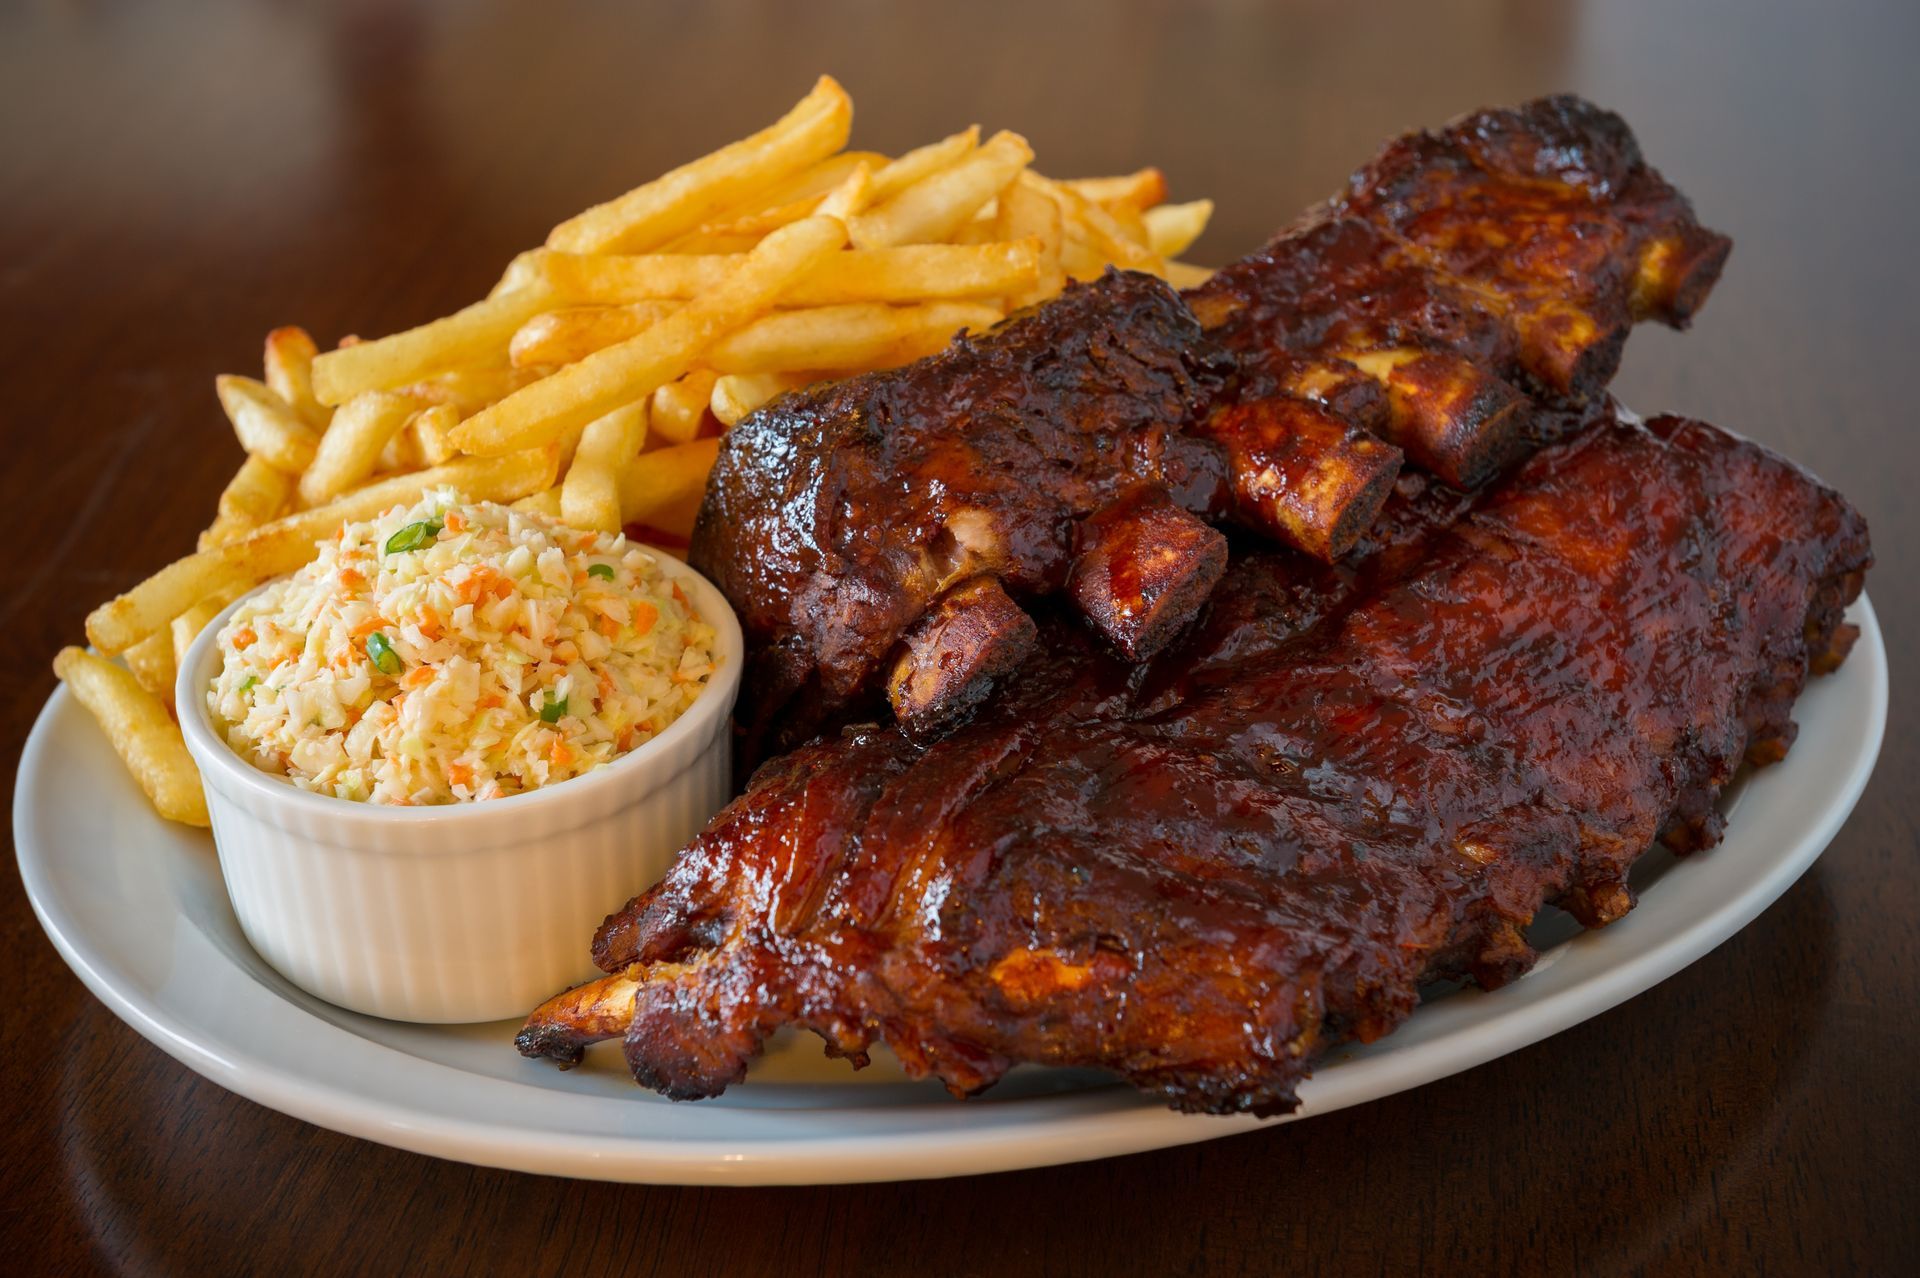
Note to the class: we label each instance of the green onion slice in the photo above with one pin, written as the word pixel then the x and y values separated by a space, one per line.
pixel 381 654
pixel 602 571
pixel 551 712
pixel 414 536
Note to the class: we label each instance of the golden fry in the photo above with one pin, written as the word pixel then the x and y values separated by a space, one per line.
pixel 545 502
pixel 470 388
pixel 256 493
pixel 590 494
pixel 850 197
pixel 862 335
pixel 648 216
pixel 665 478
pixel 738 394
pixel 909 273
pixel 563 337
pixel 152 663
pixel 1187 275
pixel 1085 219
pixel 641 365
pixel 468 336
pixel 288 542
pixel 939 204
pixel 288 361
pixel 266 425
pixel 1138 191
pixel 923 161
pixel 137 724
pixel 679 407
pixel 1026 214
pixel 1172 228
pixel 186 627
pixel 352 445
pixel 432 431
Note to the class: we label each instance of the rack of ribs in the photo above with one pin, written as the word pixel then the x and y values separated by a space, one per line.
pixel 1202 872
pixel 889 533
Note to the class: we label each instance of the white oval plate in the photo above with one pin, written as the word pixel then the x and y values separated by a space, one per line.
pixel 137 907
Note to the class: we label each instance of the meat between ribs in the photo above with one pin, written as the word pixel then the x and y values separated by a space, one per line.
pixel 1203 872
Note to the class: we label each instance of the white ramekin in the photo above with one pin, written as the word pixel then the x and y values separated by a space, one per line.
pixel 466 912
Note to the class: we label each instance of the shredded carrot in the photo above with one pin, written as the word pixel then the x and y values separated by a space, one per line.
pixel 626 739
pixel 418 677
pixel 559 755
pixel 459 774
pixel 244 637
pixel 429 623
pixel 566 652
pixel 644 615
pixel 455 522
pixel 368 626
pixel 679 595
pixel 606 625
pixel 491 701
pixel 352 580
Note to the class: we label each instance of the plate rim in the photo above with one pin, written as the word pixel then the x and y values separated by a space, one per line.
pixel 1097 1123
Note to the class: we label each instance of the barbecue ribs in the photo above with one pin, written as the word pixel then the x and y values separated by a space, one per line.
pixel 889 531
pixel 1201 872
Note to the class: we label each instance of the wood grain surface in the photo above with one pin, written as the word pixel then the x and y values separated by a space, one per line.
pixel 176 179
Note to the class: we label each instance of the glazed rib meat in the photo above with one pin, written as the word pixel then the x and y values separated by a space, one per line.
pixel 1201 872
pixel 1463 274
pixel 872 529
pixel 890 533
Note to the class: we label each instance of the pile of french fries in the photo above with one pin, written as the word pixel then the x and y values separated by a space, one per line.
pixel 593 383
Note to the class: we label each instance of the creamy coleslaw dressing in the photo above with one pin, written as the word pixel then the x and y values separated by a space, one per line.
pixel 453 651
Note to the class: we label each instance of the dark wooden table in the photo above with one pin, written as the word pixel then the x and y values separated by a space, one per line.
pixel 174 180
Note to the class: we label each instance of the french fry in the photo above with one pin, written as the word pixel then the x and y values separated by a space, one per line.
pixel 288 542
pixel 185 628
pixel 1026 214
pixel 1139 191
pixel 402 450
pixel 862 335
pixel 351 447
pixel 470 388
pixel 266 425
pixel 1186 275
pixel 135 721
pixel 221 531
pixel 920 162
pixel 939 204
pixel 680 406
pixel 1097 226
pixel 738 394
pixel 908 273
pixel 432 431
pixel 1131 224
pixel 1172 228
pixel 590 494
pixel 545 502
pixel 650 215
pixel 664 478
pixel 803 190
pixel 288 361
pixel 468 336
pixel 152 663
pixel 518 275
pixel 256 493
pixel 641 365
pixel 850 197
pixel 562 337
